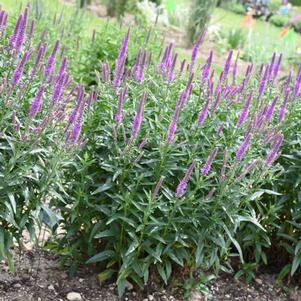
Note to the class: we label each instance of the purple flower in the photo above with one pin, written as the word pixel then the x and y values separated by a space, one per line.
pixel 273 154
pixel 216 102
pixel 183 183
pixel 21 37
pixel 297 83
pixel 175 118
pixel 262 83
pixel 20 68
pixel 271 66
pixel 207 167
pixel 206 68
pixel 247 170
pixel 243 147
pixel 31 29
pixel 49 68
pixel 220 129
pixel 13 37
pixel 140 74
pixel 271 109
pixel 118 116
pixel 283 107
pixel 277 67
pixel 120 62
pixel 245 111
pixel 182 67
pixel 37 103
pixel 158 187
pixel 195 49
pixel 227 66
pixel 170 75
pixel 138 117
pixel 204 112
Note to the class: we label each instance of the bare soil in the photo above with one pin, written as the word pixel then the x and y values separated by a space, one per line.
pixel 39 278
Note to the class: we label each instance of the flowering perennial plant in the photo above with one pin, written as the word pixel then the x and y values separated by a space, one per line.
pixel 173 161
pixel 35 105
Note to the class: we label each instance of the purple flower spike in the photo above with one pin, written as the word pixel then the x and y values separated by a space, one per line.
pixel 37 103
pixel 195 50
pixel 175 118
pixel 227 66
pixel 277 67
pixel 207 167
pixel 120 62
pixel 262 83
pixel 13 37
pixel 20 68
pixel 183 184
pixel 140 75
pixel 245 111
pixel 271 109
pixel 158 187
pixel 297 83
pixel 243 147
pixel 138 117
pixel 182 67
pixel 204 112
pixel 22 32
pixel 121 98
pixel 283 107
pixel 49 68
pixel 206 68
pixel 170 75
pixel 273 154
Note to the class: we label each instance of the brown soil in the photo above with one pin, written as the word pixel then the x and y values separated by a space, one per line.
pixel 38 278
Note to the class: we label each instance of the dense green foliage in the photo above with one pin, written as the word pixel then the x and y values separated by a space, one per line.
pixel 116 193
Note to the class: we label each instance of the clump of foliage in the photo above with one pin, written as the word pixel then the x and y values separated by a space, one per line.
pixel 103 48
pixel 175 168
pixel 35 134
pixel 279 20
pixel 235 38
pixel 200 14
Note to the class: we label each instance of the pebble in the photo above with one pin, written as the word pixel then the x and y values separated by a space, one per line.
pixel 17 285
pixel 128 285
pixel 145 299
pixel 227 296
pixel 72 296
pixel 51 287
pixel 150 297
pixel 134 294
pixel 39 299
pixel 258 281
pixel 81 280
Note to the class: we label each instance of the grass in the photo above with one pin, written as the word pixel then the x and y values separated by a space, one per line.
pixel 262 40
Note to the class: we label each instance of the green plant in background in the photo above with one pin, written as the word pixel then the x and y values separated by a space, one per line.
pixel 200 14
pixel 279 20
pixel 103 48
pixel 235 39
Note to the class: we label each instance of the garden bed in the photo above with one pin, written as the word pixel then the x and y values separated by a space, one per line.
pixel 39 277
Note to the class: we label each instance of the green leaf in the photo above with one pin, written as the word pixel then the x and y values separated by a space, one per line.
pixel 105 275
pixel 295 264
pixel 104 255
pixel 235 242
pixel 102 188
pixel 12 202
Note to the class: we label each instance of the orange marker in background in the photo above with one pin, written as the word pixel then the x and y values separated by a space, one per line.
pixel 248 21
